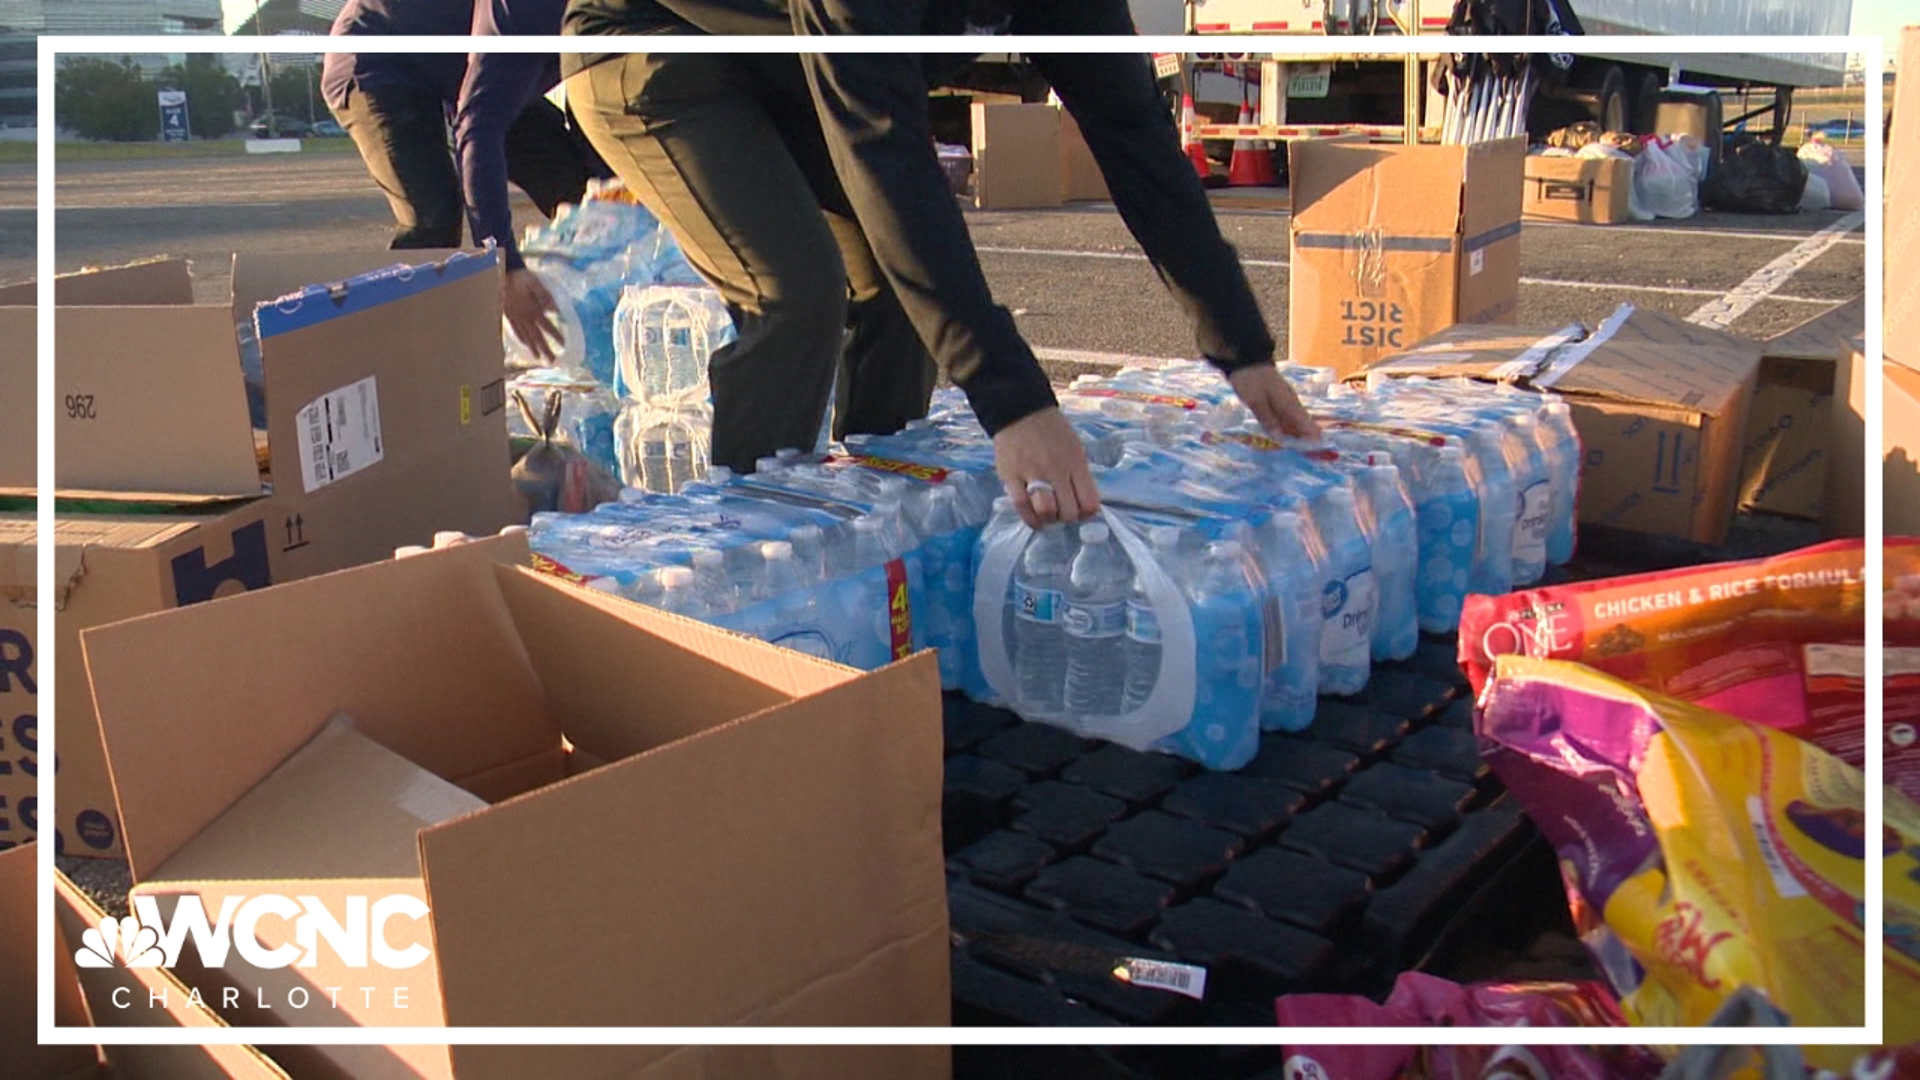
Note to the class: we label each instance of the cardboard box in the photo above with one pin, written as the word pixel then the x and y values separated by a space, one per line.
pixel 1391 244
pixel 615 816
pixel 19 417
pixel 1081 178
pixel 1784 464
pixel 1017 157
pixel 113 996
pixel 19 681
pixel 1902 321
pixel 384 395
pixel 1899 449
pixel 1591 191
pixel 1660 403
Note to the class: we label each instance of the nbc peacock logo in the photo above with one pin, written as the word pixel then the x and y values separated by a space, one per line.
pixel 120 942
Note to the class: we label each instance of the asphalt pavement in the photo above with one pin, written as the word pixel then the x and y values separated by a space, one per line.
pixel 1074 277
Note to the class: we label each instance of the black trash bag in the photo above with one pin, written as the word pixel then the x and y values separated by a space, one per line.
pixel 554 477
pixel 1756 177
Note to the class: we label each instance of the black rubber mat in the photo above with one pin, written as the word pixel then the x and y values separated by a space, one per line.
pixel 1336 858
pixel 1373 843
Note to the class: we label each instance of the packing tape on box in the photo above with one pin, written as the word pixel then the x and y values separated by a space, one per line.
pixel 1571 357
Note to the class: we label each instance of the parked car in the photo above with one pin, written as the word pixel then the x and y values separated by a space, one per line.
pixel 327 129
pixel 270 126
pixel 1841 129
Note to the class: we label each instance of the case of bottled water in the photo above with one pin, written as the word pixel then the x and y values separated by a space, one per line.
pixel 1155 645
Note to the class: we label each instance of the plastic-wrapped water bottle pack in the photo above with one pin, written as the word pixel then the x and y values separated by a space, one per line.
pixel 1228 583
pixel 639 326
pixel 861 557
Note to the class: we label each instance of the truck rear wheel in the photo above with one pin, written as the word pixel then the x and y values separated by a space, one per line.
pixel 1610 101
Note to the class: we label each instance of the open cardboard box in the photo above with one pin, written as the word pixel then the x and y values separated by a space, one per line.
pixel 1661 406
pixel 112 996
pixel 614 815
pixel 1783 466
pixel 385 404
pixel 1391 244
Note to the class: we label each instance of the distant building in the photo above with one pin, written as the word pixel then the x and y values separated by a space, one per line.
pixel 289 17
pixel 22 20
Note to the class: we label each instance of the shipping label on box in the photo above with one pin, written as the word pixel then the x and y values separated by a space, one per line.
pixel 1391 244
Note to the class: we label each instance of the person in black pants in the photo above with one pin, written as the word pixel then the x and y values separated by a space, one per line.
pixel 396 108
pixel 725 150
pixel 873 112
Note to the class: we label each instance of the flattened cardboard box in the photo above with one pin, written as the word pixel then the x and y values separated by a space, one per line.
pixel 112 995
pixel 1902 249
pixel 1391 244
pixel 1590 191
pixel 378 403
pixel 1783 466
pixel 1661 406
pixel 612 816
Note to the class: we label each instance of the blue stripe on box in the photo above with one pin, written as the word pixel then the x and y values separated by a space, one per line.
pixel 316 304
pixel 1492 236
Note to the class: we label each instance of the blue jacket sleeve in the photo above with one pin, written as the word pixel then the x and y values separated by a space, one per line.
pixel 497 87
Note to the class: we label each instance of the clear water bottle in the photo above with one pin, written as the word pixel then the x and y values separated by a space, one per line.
pixel 1562 440
pixel 1448 513
pixel 809 553
pixel 1533 483
pixel 1349 603
pixel 768 466
pixel 1040 608
pixel 678 593
pixel 714 583
pixel 1396 557
pixel 870 546
pixel 1492 571
pixel 1229 601
pixel 781 574
pixel 1143 623
pixel 1295 562
pixel 1096 625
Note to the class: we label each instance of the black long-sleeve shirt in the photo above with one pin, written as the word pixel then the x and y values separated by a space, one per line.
pixel 425 73
pixel 873 112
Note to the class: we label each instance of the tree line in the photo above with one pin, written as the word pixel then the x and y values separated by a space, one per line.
pixel 97 97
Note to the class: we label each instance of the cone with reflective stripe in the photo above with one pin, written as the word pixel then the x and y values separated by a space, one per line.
pixel 1250 165
pixel 1196 152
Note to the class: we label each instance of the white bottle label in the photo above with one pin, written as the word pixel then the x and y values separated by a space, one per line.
pixel 1096 620
pixel 1530 532
pixel 1038 605
pixel 1348 607
pixel 1143 624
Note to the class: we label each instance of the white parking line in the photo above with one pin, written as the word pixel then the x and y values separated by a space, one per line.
pixel 1102 359
pixel 1761 284
pixel 1281 264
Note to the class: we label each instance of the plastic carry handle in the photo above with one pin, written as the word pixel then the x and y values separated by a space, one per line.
pixel 1168 709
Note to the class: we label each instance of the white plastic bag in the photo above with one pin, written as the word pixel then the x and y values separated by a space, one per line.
pixel 1667 176
pixel 1168 709
pixel 1816 197
pixel 1833 168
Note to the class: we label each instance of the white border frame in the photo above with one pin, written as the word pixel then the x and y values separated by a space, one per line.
pixel 1872 49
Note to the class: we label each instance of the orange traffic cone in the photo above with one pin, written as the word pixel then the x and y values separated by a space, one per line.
pixel 1196 151
pixel 1250 165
